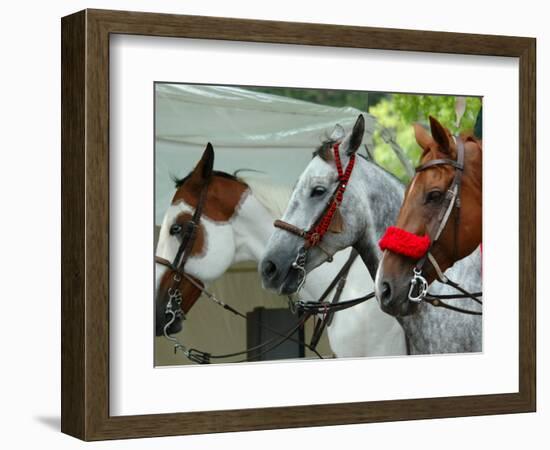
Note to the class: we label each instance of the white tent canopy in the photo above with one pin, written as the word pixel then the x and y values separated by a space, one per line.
pixel 248 129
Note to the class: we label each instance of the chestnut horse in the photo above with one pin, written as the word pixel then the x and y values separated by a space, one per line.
pixel 430 230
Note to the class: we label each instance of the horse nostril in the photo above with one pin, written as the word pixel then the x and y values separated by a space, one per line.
pixel 269 269
pixel 385 294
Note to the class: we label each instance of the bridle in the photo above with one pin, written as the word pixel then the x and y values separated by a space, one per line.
pixel 451 201
pixel 314 236
pixel 176 308
pixel 418 290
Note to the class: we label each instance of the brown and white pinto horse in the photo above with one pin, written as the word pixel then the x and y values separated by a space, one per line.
pixel 422 215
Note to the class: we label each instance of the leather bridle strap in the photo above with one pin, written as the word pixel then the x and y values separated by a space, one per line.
pixel 191 227
pixel 438 303
pixel 291 228
pixel 165 262
pixel 339 282
pixel 452 201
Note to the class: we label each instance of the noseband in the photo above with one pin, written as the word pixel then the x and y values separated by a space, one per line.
pixel 408 244
pixel 315 234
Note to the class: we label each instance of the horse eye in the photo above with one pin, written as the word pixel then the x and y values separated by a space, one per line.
pixel 175 229
pixel 434 196
pixel 317 191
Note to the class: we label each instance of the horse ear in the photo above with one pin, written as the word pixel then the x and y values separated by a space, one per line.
pixel 440 135
pixel 422 136
pixel 356 135
pixel 204 167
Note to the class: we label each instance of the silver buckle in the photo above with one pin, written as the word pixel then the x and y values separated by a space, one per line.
pixel 419 280
pixel 299 264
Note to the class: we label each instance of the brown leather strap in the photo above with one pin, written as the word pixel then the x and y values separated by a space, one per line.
pixel 439 162
pixel 339 282
pixel 163 261
pixel 290 228
pixel 449 202
pixel 189 237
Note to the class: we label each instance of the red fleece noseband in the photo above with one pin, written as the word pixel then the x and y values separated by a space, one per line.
pixel 404 243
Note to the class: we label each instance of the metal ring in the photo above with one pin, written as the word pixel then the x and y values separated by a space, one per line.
pixel 423 288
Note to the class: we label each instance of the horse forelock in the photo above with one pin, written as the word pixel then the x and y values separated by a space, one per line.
pixel 324 151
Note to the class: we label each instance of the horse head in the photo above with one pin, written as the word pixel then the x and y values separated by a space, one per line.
pixel 212 247
pixel 439 220
pixel 318 221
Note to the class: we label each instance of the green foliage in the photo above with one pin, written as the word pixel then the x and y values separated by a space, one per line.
pixel 337 98
pixel 398 113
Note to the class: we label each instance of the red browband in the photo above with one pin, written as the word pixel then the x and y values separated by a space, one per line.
pixel 404 243
pixel 314 236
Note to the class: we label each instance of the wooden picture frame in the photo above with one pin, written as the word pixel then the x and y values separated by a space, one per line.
pixel 85 224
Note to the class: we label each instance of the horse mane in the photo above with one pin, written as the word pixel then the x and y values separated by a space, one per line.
pixel 179 182
pixel 323 152
pixel 273 197
pixel 470 136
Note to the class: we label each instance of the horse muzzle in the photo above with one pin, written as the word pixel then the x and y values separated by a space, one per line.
pixel 393 296
pixel 281 277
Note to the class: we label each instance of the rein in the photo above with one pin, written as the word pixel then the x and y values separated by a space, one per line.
pixel 324 318
pixel 307 309
pixel 202 357
pixel 408 244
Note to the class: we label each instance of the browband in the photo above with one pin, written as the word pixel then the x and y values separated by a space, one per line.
pixel 440 162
